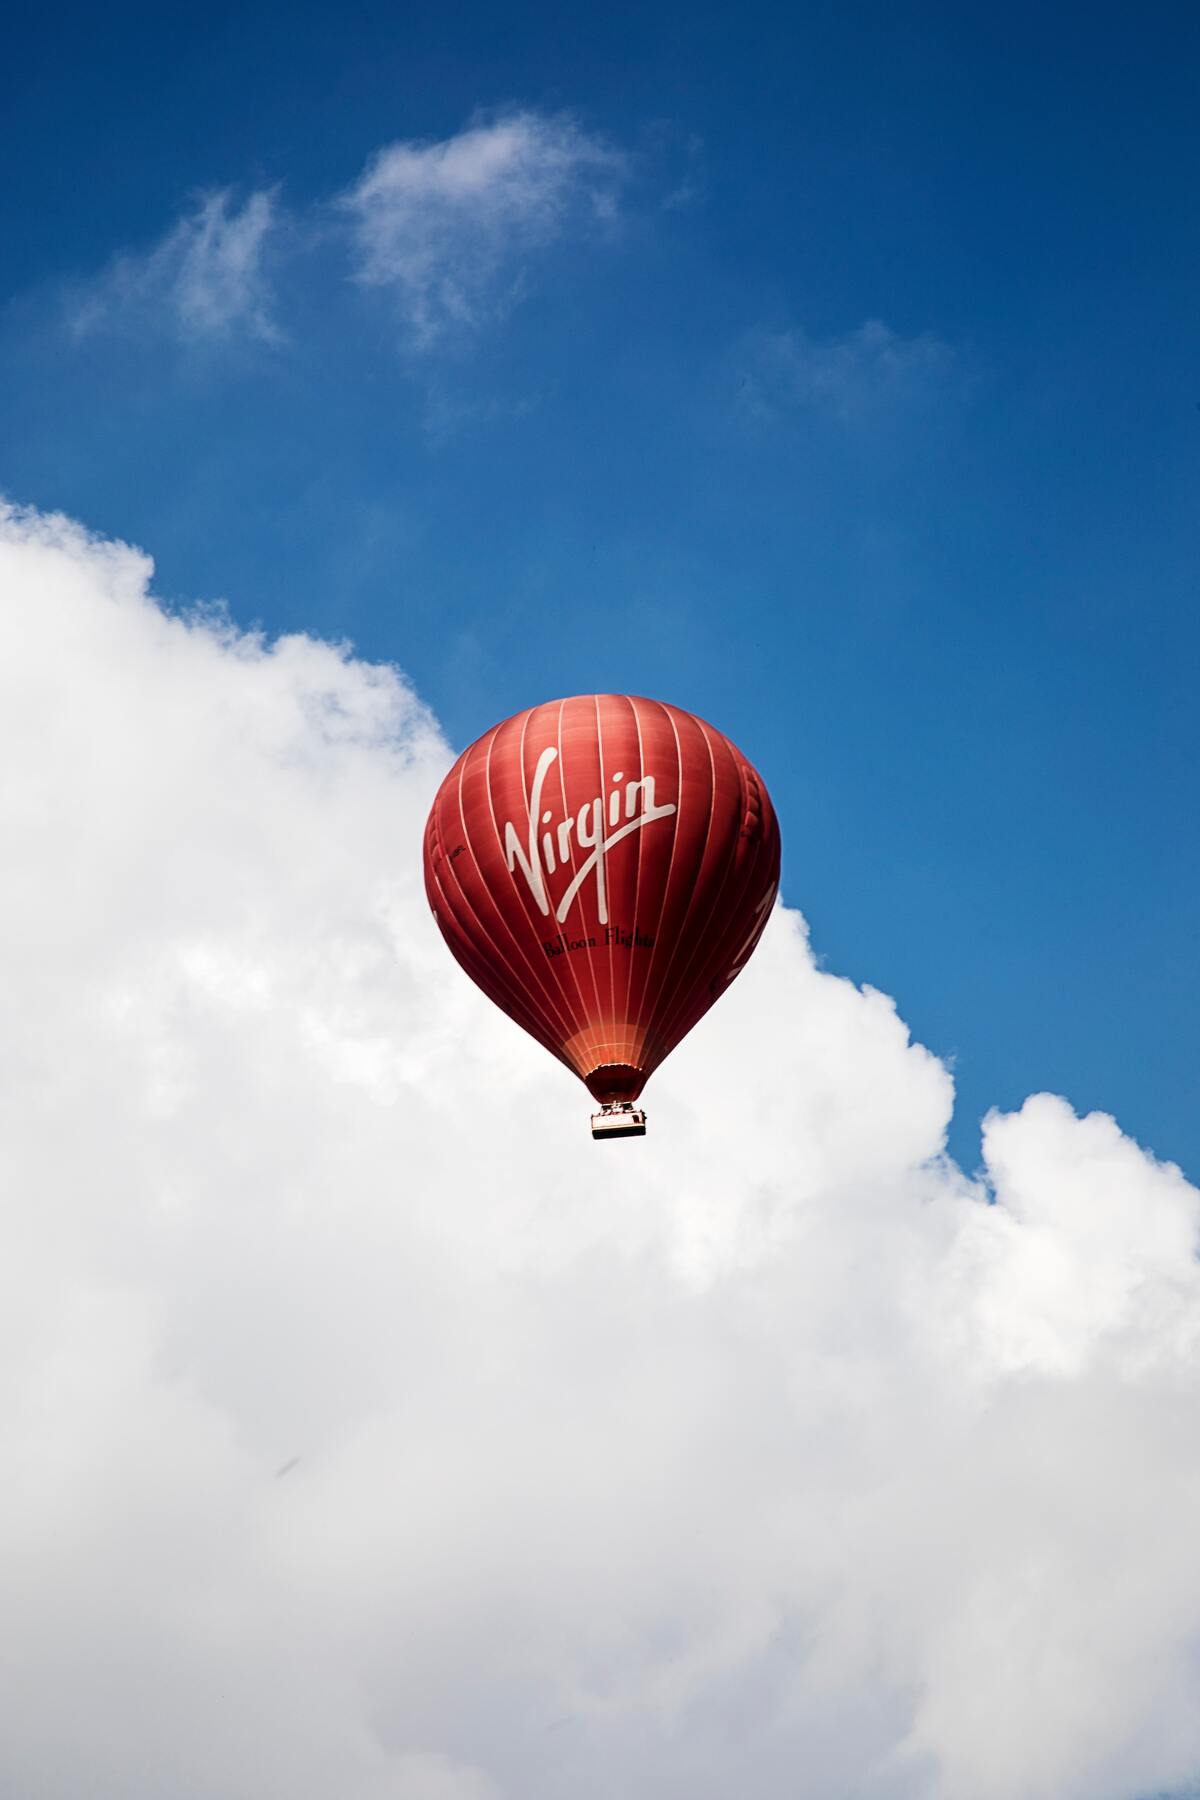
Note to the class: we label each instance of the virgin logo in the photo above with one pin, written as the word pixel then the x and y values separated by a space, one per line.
pixel 630 808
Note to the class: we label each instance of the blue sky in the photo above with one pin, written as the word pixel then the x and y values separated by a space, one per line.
pixel 830 371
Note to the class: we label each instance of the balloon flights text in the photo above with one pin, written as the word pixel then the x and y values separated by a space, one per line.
pixel 603 867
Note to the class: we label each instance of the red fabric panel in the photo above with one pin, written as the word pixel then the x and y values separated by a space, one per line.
pixel 602 867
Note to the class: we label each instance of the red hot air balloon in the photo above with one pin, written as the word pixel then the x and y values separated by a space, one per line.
pixel 603 867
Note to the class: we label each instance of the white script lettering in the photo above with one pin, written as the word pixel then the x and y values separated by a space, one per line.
pixel 588 827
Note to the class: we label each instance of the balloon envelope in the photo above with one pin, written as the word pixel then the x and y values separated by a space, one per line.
pixel 603 867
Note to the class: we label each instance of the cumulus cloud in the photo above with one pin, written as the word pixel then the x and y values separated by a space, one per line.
pixel 449 227
pixel 370 1432
pixel 205 279
pixel 868 373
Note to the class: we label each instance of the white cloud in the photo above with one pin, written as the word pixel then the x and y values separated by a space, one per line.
pixel 857 378
pixel 370 1432
pixel 205 279
pixel 449 227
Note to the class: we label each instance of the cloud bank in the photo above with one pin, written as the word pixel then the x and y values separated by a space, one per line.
pixel 370 1432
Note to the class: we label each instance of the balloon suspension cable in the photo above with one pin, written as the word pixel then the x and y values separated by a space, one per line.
pixel 619 1119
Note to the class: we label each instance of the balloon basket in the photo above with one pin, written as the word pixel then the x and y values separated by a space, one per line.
pixel 619 1120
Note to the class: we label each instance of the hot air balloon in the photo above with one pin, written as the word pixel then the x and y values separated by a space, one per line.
pixel 603 867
